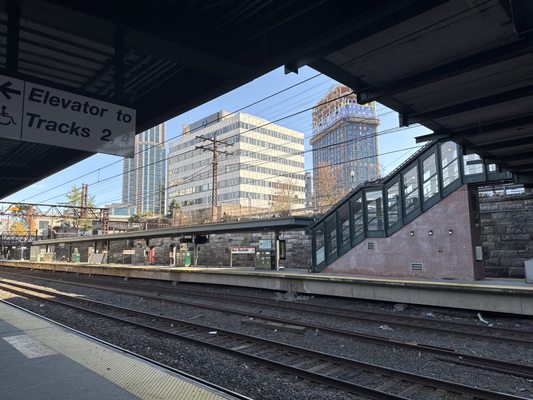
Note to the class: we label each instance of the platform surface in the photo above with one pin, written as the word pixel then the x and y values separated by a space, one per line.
pixel 41 360
pixel 513 296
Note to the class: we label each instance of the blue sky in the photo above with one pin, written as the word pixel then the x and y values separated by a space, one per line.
pixel 105 181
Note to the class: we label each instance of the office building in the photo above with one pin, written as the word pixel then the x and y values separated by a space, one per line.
pixel 345 138
pixel 143 180
pixel 263 175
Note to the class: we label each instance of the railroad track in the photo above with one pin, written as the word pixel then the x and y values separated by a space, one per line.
pixel 410 323
pixel 365 379
pixel 444 354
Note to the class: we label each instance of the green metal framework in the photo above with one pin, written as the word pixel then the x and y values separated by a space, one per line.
pixel 380 208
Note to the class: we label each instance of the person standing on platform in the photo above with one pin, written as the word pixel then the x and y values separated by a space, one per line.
pixel 151 256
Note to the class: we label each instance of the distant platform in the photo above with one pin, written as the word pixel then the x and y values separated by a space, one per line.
pixel 42 360
pixel 513 296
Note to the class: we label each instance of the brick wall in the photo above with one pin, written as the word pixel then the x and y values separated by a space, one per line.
pixel 444 255
pixel 507 233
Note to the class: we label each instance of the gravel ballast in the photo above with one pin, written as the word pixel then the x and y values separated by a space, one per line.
pixel 262 383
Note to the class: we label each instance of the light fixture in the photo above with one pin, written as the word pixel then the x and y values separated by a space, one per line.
pixel 430 233
pixel 412 233
pixel 450 231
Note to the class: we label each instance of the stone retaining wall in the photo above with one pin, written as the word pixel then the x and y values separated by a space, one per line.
pixel 507 233
pixel 216 252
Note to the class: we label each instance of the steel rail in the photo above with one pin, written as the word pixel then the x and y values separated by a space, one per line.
pixel 446 354
pixel 499 335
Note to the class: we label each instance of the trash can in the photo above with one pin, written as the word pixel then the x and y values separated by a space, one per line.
pixel 187 262
pixel 76 257
pixel 529 270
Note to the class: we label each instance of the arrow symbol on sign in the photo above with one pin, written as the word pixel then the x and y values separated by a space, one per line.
pixel 5 90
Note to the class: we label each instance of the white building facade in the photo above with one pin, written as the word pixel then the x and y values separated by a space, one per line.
pixel 264 170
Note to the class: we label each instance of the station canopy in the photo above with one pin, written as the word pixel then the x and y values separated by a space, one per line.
pixel 459 67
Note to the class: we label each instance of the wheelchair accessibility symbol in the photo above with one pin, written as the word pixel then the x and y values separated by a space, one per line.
pixel 11 107
pixel 5 118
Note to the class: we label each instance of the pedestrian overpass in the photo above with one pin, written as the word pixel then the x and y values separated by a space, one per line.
pixel 420 221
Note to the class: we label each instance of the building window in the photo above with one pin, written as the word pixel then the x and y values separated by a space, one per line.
pixel 431 180
pixel 357 212
pixel 331 237
pixel 374 210
pixel 410 184
pixel 393 204
pixel 449 163
pixel 472 164
pixel 343 216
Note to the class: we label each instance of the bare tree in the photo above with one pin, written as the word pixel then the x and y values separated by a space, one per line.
pixel 285 196
pixel 327 188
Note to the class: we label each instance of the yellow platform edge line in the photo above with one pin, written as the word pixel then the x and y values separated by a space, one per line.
pixel 135 376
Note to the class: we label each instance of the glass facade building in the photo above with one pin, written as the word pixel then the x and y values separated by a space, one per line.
pixel 345 137
pixel 144 175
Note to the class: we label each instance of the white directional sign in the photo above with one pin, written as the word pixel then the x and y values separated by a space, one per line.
pixel 242 250
pixel 41 114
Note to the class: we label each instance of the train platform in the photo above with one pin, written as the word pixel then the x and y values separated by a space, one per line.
pixel 513 296
pixel 42 360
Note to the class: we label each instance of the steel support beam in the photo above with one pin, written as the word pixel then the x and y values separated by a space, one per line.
pixel 192 58
pixel 337 73
pixel 518 158
pixel 480 60
pixel 408 119
pixel 17 173
pixel 503 143
pixel 367 24
pixel 118 60
pixel 13 32
pixel 478 131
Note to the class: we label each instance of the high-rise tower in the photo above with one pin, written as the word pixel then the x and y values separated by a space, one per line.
pixel 143 181
pixel 345 138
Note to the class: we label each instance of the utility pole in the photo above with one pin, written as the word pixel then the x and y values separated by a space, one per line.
pixel 83 199
pixel 216 152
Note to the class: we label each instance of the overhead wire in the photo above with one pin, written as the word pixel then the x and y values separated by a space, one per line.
pixel 259 162
pixel 237 134
pixel 163 142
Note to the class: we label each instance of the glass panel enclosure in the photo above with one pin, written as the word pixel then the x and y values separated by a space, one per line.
pixel 343 216
pixel 357 212
pixel 410 184
pixel 430 185
pixel 374 209
pixel 331 237
pixel 393 204
pixel 319 245
pixel 449 163
pixel 472 164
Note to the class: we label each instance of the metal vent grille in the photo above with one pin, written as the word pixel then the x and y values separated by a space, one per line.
pixel 416 266
pixel 371 245
pixel 474 200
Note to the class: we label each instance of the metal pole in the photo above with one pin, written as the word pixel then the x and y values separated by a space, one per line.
pixel 214 193
pixel 276 236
